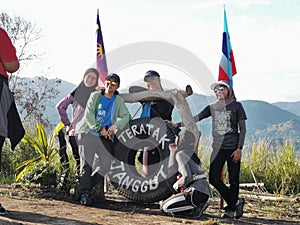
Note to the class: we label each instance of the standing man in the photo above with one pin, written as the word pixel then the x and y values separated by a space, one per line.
pixel 105 113
pixel 10 122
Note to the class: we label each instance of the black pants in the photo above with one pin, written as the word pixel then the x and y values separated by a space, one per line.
pixel 2 139
pixel 230 194
pixel 183 202
pixel 64 159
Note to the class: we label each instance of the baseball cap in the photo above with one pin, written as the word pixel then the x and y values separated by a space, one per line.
pixel 151 73
pixel 220 83
pixel 113 77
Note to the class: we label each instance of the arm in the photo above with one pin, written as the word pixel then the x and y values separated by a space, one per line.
pixel 183 167
pixel 237 154
pixel 90 112
pixel 203 114
pixel 8 56
pixel 122 115
pixel 62 107
pixel 11 67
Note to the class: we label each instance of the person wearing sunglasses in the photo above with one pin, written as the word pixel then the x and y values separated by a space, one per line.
pixel 228 131
pixel 105 113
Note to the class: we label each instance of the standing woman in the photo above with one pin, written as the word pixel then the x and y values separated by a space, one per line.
pixel 228 131
pixel 10 122
pixel 78 99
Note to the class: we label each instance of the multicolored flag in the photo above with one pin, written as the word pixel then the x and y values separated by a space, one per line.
pixel 227 65
pixel 101 59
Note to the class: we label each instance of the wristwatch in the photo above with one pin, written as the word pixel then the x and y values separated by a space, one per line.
pixel 240 147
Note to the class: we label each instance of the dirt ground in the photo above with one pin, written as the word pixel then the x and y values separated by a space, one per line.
pixel 45 207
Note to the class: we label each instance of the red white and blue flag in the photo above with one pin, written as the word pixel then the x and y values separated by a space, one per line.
pixel 227 65
pixel 101 59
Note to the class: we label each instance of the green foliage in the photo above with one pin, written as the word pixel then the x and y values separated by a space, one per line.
pixel 277 167
pixel 44 166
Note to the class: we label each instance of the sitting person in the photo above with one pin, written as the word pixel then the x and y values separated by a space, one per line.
pixel 191 190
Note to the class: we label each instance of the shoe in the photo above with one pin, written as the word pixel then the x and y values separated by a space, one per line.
pixel 239 208
pixel 228 214
pixel 2 211
pixel 85 199
pixel 198 211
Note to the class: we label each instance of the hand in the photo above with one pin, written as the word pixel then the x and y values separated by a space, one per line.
pixel 105 133
pixel 113 129
pixel 172 147
pixel 68 128
pixel 237 155
pixel 175 186
pixel 171 123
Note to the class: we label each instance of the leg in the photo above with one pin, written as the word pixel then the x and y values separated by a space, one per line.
pixel 63 150
pixel 215 179
pixel 74 145
pixel 177 203
pixel 1 145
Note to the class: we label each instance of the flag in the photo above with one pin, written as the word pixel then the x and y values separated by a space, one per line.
pixel 227 65
pixel 101 59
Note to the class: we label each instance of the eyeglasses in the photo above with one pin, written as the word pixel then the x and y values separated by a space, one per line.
pixel 112 83
pixel 219 89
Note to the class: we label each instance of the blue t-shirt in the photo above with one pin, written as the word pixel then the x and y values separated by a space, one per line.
pixel 105 111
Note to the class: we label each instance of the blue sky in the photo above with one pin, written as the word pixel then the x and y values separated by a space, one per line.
pixel 264 36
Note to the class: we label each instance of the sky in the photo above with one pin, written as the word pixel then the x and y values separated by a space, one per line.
pixel 181 38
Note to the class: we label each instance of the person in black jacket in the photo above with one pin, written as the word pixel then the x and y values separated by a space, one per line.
pixel 228 131
pixel 156 108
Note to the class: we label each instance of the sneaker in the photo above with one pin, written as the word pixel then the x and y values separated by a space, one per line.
pixel 228 214
pixel 198 211
pixel 239 208
pixel 2 211
pixel 85 199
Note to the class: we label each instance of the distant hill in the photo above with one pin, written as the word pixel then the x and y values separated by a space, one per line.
pixel 293 107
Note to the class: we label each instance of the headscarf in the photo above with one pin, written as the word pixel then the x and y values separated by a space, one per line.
pixel 82 93
pixel 219 104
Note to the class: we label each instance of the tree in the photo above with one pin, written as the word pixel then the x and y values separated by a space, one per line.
pixel 31 96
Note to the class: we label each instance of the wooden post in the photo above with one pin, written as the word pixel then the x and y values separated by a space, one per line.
pixel 177 97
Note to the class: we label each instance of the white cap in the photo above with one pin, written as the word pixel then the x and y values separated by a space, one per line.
pixel 220 82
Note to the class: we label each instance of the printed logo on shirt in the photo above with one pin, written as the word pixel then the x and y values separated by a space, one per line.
pixel 222 122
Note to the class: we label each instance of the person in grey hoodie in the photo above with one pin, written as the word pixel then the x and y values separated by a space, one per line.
pixel 191 189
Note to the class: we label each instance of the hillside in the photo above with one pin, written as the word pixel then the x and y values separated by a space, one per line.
pixel 293 107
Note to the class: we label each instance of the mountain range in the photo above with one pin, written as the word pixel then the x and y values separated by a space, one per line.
pixel 273 122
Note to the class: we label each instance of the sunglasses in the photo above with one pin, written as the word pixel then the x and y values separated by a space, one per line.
pixel 219 89
pixel 112 83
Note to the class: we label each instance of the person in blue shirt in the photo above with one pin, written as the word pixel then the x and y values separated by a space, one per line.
pixel 105 113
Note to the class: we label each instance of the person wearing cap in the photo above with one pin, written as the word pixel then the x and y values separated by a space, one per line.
pixel 78 99
pixel 105 113
pixel 191 189
pixel 228 131
pixel 156 108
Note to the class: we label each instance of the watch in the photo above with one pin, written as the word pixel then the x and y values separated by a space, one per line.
pixel 240 147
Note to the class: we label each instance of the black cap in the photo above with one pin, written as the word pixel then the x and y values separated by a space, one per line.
pixel 113 77
pixel 151 73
